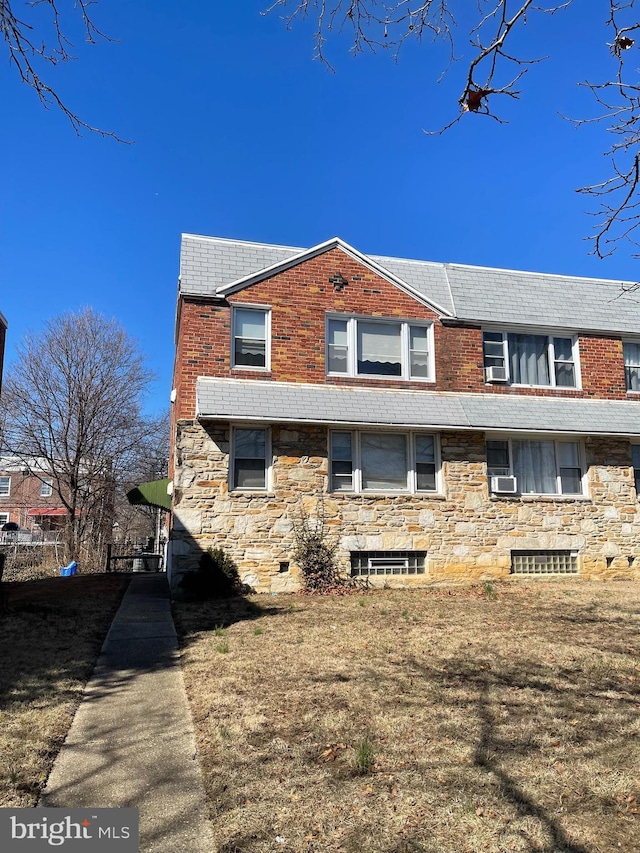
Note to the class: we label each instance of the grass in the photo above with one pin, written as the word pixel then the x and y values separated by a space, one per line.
pixel 502 720
pixel 50 637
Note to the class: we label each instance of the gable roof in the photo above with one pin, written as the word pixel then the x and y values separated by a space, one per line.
pixel 215 267
pixel 282 402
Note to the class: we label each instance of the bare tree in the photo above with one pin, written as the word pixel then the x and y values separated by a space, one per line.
pixel 38 37
pixel 72 400
pixel 492 70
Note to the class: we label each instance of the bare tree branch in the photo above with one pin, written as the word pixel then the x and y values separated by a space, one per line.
pixel 490 72
pixel 27 51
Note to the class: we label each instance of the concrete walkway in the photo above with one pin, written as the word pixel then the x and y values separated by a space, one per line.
pixel 131 742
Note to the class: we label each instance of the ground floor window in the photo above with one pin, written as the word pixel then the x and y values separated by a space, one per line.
pixel 544 562
pixel 363 461
pixel 4 518
pixel 249 467
pixel 635 457
pixel 539 467
pixel 365 563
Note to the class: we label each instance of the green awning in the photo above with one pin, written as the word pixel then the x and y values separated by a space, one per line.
pixel 153 493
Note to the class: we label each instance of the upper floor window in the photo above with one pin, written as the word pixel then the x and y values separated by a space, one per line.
pixel 523 359
pixel 632 365
pixel 251 334
pixel 383 461
pixel 359 346
pixel 5 487
pixel 538 467
pixel 249 468
pixel 46 488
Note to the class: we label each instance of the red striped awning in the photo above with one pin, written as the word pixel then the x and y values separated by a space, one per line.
pixel 44 510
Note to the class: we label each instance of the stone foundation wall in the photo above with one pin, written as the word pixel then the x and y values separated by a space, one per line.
pixel 467 534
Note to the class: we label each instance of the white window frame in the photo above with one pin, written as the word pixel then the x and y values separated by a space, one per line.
pixel 636 471
pixel 551 360
pixel 406 325
pixel 46 487
pixel 5 478
pixel 508 471
pixel 411 478
pixel 624 361
pixel 4 518
pixel 262 309
pixel 268 459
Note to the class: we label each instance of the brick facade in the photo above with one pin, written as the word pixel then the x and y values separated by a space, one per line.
pixel 467 532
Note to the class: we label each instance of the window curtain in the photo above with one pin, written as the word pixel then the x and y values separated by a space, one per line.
pixel 384 461
pixel 379 349
pixel 632 366
pixel 534 464
pixel 529 362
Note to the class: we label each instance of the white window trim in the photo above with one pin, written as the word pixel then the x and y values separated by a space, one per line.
pixel 549 334
pixel 405 343
pixel 268 460
pixel 48 484
pixel 6 494
pixel 4 518
pixel 266 309
pixel 412 488
pixel 556 440
pixel 624 364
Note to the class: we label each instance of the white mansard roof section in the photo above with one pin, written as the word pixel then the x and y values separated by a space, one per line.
pixel 282 402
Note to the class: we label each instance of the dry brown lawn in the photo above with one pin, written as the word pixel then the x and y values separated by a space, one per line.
pixel 50 635
pixel 501 718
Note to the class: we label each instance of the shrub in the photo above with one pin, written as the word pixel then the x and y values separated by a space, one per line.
pixel 216 577
pixel 315 552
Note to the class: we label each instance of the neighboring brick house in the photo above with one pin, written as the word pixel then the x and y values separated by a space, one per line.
pixel 457 422
pixel 27 496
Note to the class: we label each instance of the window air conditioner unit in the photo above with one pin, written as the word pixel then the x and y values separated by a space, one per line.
pixel 504 485
pixel 495 374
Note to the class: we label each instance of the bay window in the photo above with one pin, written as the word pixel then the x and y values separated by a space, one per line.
pixel 367 461
pixel 387 348
pixel 540 466
pixel 524 359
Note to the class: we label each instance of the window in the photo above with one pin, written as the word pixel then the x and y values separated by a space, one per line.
pixel 387 563
pixel 249 464
pixel 46 488
pixel 382 462
pixel 251 338
pixel 5 487
pixel 544 563
pixel 4 518
pixel 635 458
pixel 540 467
pixel 387 348
pixel 523 359
pixel 632 365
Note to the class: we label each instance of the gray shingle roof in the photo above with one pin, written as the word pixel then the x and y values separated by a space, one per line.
pixel 237 399
pixel 478 294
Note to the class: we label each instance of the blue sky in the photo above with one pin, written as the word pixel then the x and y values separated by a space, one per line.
pixel 238 133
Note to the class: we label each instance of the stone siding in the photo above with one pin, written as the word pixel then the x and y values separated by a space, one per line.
pixel 467 534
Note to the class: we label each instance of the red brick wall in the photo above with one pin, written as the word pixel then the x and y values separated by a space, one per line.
pixel 299 299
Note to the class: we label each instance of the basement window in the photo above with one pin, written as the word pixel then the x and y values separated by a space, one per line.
pixel 368 563
pixel 544 562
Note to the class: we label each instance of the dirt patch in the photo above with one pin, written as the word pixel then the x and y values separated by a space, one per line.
pixel 499 718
